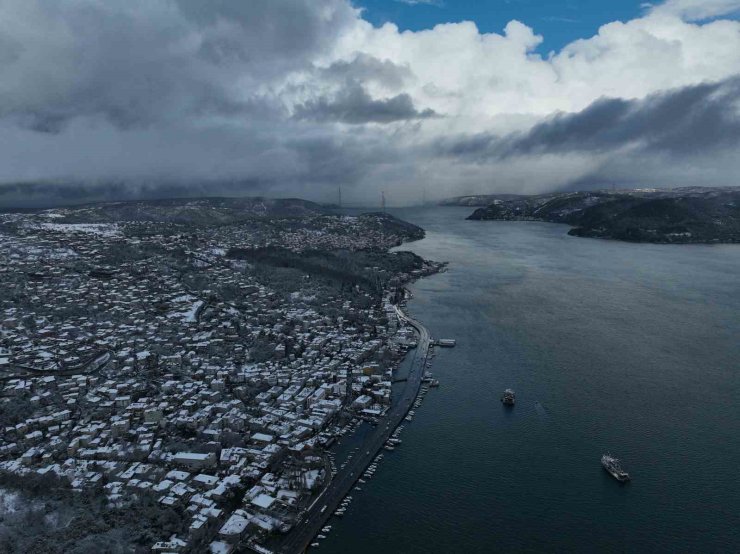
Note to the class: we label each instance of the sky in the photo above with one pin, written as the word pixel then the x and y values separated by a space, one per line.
pixel 105 99
pixel 558 21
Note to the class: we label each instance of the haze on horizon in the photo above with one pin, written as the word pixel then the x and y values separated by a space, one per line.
pixel 118 98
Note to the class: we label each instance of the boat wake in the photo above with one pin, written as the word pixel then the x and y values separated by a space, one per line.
pixel 541 411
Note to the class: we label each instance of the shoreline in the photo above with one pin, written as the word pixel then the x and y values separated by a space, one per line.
pixel 323 507
pixel 570 233
pixel 326 503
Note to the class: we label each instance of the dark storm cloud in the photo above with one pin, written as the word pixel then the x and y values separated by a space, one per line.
pixel 364 68
pixel 272 36
pixel 355 106
pixel 303 166
pixel 331 159
pixel 686 120
pixel 50 194
pixel 126 98
pixel 107 99
pixel 142 63
pixel 692 120
pixel 352 103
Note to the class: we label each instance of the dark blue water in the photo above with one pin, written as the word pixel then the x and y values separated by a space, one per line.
pixel 633 349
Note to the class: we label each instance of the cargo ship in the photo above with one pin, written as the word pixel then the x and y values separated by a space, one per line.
pixel 508 398
pixel 614 468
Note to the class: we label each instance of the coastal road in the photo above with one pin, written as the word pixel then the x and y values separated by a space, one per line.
pixel 96 362
pixel 321 510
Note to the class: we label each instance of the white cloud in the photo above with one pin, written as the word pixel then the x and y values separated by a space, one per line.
pixel 467 74
pixel 438 3
pixel 695 10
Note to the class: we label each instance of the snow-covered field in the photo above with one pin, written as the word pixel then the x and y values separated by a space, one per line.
pixel 99 229
pixel 10 502
pixel 23 248
pixel 187 308
pixel 189 316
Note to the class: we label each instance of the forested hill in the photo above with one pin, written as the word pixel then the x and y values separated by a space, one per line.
pixel 688 215
pixel 476 200
pixel 193 211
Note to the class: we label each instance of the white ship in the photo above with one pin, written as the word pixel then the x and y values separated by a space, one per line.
pixel 614 468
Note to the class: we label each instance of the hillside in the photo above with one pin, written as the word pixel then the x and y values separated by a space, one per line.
pixel 199 211
pixel 688 215
pixel 300 224
pixel 478 199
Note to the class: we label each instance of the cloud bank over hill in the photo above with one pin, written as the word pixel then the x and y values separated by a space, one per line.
pixel 296 97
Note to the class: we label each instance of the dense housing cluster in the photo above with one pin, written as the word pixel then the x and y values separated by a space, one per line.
pixel 140 359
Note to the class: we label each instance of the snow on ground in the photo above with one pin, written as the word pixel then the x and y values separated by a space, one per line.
pixel 189 316
pixel 25 248
pixel 99 229
pixel 10 502
pixel 187 309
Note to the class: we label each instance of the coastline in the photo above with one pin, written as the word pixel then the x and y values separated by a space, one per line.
pixel 563 323
pixel 324 506
pixel 354 257
pixel 581 233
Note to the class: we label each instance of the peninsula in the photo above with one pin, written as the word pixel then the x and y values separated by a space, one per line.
pixel 684 215
pixel 174 373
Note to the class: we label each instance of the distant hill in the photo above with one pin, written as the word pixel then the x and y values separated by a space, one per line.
pixel 261 215
pixel 392 225
pixel 478 199
pixel 687 215
pixel 198 211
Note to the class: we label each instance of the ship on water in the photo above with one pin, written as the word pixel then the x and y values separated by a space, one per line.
pixel 612 465
pixel 508 398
